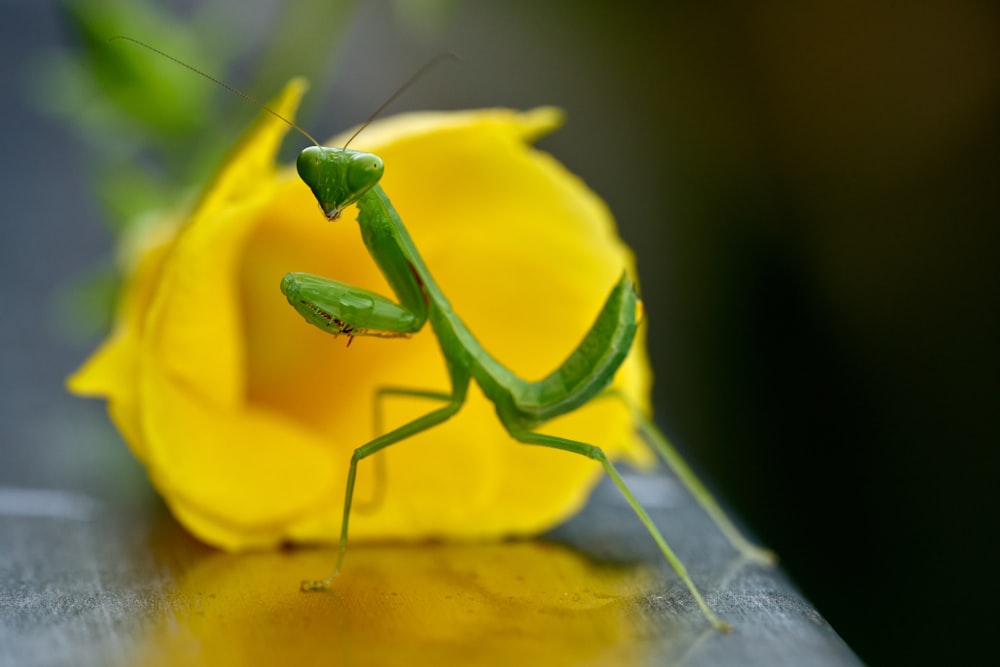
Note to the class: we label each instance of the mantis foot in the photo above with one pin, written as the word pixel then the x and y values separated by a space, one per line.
pixel 314 585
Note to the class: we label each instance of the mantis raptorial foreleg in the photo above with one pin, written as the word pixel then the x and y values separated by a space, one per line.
pixel 343 309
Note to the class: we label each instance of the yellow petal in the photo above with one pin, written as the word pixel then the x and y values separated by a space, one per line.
pixel 251 163
pixel 196 331
pixel 112 371
pixel 238 476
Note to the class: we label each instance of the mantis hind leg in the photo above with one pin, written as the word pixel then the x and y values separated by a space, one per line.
pixel 379 462
pixel 590 451
pixel 651 434
pixel 460 387
pixel 673 459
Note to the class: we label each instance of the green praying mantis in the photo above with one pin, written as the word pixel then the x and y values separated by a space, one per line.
pixel 341 177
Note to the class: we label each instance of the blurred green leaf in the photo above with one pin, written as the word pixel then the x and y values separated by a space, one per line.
pixel 89 303
pixel 125 81
pixel 425 17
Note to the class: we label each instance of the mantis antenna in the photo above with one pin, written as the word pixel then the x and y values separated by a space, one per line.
pixel 292 124
pixel 233 89
pixel 399 91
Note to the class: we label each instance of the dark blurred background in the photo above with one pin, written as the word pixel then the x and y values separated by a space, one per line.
pixel 811 190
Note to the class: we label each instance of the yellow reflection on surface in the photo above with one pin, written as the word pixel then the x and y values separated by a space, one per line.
pixel 501 604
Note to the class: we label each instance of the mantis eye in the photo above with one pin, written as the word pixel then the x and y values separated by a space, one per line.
pixel 364 171
pixel 308 165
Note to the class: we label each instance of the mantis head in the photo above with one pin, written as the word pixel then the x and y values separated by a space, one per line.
pixel 338 176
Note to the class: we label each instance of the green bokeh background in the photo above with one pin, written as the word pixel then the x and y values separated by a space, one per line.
pixel 811 190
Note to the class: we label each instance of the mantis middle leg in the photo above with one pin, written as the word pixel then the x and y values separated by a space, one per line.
pixel 379 462
pixel 460 386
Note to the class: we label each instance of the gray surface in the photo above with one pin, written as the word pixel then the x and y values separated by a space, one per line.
pixel 102 575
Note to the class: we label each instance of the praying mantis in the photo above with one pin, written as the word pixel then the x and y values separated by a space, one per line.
pixel 341 177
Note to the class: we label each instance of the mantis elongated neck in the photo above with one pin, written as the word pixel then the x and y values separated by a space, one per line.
pixel 397 257
pixel 393 250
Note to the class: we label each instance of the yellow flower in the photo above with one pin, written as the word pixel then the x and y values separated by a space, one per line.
pixel 246 417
